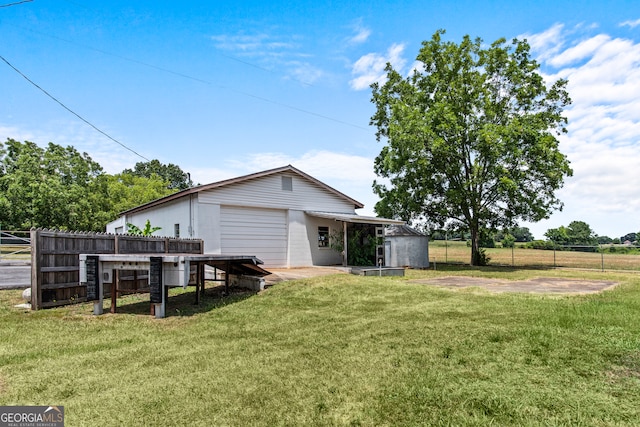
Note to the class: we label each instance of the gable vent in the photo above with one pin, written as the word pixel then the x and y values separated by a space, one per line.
pixel 287 183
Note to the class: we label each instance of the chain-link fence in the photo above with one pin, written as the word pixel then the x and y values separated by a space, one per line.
pixel 604 257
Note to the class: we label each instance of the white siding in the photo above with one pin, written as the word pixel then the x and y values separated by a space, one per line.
pixel 267 192
pixel 165 217
pixel 256 216
pixel 322 256
pixel 299 240
pixel 208 227
pixel 251 231
pixel 118 224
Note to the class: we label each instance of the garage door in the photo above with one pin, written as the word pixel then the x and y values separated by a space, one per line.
pixel 253 231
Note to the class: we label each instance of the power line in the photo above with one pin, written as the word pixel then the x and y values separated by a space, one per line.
pixel 71 111
pixel 294 108
pixel 199 80
pixel 124 58
pixel 13 4
pixel 266 70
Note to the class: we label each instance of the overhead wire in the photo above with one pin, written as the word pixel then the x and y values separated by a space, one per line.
pixel 15 3
pixel 70 110
pixel 199 80
pixel 166 70
pixel 266 70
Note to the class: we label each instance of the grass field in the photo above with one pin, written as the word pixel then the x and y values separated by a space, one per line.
pixel 15 252
pixel 458 252
pixel 336 350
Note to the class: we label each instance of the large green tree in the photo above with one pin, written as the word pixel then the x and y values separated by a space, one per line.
pixel 127 191
pixel 58 187
pixel 471 138
pixel 175 177
pixel 54 187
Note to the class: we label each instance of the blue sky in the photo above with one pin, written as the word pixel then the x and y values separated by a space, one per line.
pixel 227 88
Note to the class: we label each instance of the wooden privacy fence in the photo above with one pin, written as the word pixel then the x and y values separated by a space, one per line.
pixel 55 265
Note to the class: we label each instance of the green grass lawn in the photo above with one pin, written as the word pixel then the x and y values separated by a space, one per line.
pixel 336 350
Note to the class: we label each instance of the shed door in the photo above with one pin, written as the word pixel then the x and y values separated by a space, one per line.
pixel 254 231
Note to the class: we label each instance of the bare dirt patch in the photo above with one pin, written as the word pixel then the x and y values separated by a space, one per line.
pixel 627 366
pixel 551 285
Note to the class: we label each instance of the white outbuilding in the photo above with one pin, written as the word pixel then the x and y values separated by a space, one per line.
pixel 282 216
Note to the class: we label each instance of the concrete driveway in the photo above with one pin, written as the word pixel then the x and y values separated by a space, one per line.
pixel 282 274
pixel 15 275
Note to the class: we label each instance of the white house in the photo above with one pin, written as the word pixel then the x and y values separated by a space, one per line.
pixel 283 216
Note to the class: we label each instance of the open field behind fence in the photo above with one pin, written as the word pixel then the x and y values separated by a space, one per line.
pixel 15 245
pixel 441 251
pixel 15 252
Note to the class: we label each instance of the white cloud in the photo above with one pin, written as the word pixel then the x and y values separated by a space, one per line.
pixel 253 44
pixel 546 43
pixel 210 174
pixel 370 67
pixel 361 35
pixel 603 142
pixel 580 51
pixel 631 24
pixel 15 133
pixel 305 72
pixel 320 164
pixel 273 53
pixel 112 157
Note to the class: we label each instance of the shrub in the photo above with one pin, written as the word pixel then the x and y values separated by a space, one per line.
pixel 482 258
pixel 508 241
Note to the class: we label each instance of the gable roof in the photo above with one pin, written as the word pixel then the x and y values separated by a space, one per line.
pixel 244 178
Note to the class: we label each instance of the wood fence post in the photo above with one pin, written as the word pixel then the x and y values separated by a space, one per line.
pixel 36 282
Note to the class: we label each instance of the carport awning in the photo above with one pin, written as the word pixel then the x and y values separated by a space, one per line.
pixel 354 218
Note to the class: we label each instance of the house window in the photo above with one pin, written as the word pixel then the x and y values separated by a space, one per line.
pixel 176 230
pixel 323 237
pixel 287 183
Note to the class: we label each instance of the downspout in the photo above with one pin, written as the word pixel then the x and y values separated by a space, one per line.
pixel 190 215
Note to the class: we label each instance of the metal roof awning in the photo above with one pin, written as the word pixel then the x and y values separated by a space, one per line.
pixel 355 218
pixel 232 264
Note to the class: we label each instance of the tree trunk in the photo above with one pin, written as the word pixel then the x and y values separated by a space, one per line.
pixel 475 246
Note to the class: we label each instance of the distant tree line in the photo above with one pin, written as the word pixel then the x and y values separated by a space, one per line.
pixel 579 233
pixel 59 187
pixel 507 236
pixel 576 234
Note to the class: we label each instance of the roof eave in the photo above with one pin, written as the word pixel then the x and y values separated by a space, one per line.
pixel 205 187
